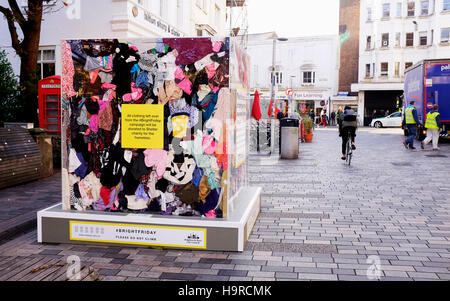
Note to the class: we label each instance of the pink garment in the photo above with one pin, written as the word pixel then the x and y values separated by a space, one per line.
pixel 135 94
pixel 211 214
pixel 158 158
pixel 102 104
pixel 211 70
pixel 134 48
pixel 68 71
pixel 209 145
pixel 214 88
pixel 108 86
pixel 93 123
pixel 217 46
pixel 182 81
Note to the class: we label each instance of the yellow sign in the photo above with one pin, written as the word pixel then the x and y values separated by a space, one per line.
pixel 135 234
pixel 142 126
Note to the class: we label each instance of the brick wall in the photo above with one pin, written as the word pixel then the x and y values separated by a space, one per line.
pixel 349 22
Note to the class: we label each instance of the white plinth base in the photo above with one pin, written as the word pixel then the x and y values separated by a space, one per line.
pixel 91 227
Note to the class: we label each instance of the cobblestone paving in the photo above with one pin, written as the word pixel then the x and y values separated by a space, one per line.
pixel 320 220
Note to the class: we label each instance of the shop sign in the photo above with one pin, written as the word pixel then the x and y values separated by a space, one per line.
pixel 309 95
pixel 138 234
pixel 160 24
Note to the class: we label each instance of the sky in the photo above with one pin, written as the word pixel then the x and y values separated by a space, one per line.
pixel 293 18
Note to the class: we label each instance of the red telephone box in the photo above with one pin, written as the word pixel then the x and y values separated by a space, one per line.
pixel 50 104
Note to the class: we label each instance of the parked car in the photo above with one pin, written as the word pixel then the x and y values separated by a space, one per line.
pixel 393 120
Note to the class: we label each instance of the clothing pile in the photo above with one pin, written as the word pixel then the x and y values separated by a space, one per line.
pixel 190 78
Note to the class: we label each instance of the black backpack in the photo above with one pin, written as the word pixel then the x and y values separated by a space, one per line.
pixel 349 117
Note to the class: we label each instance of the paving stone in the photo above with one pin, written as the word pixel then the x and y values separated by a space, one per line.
pixel 108 272
pixel 127 273
pixel 178 276
pixel 212 278
pixel 423 275
pixel 232 273
pixel 324 277
pixel 121 261
pixel 285 275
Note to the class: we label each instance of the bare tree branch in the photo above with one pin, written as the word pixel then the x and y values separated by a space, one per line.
pixel 19 18
pixel 12 29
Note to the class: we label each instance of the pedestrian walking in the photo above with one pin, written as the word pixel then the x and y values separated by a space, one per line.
pixel 433 126
pixel 411 122
pixel 333 118
pixel 323 118
pixel 386 113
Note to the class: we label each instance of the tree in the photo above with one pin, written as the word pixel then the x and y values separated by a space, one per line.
pixel 9 90
pixel 27 23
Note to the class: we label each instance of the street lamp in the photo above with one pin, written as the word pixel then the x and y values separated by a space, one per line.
pixel 272 96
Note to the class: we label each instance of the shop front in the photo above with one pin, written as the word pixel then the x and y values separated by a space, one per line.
pixel 305 101
pixel 340 102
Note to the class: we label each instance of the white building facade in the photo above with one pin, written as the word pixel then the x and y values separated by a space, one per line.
pixel 307 65
pixel 83 19
pixel 395 34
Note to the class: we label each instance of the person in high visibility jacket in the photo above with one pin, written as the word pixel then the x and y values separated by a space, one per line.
pixel 411 121
pixel 433 126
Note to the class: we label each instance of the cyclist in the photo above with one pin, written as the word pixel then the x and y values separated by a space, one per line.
pixel 347 124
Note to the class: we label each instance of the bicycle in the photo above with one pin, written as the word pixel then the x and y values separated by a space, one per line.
pixel 348 149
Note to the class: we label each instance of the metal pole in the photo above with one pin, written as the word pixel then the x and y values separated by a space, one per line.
pixel 272 97
pixel 257 136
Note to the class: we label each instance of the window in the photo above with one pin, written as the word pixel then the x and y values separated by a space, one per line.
pixel 367 70
pixel 409 39
pixel 411 9
pixel 408 64
pixel 46 63
pixel 278 76
pixel 424 8
pixel 369 14
pixel 423 38
pixel 397 69
pixel 385 40
pixel 384 69
pixel 369 43
pixel 445 32
pixel 399 9
pixel 397 39
pixel 446 5
pixel 386 10
pixel 309 77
